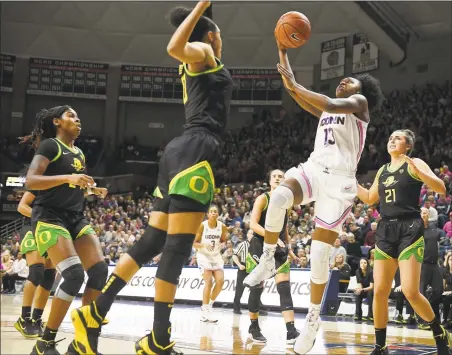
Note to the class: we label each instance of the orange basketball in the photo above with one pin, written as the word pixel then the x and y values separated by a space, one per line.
pixel 293 29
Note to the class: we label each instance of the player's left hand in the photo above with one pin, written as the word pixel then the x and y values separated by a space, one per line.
pixel 411 163
pixel 287 76
pixel 100 191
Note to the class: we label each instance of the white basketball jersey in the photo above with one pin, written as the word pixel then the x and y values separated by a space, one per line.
pixel 339 141
pixel 212 237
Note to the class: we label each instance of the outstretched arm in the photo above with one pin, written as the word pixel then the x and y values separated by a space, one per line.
pixel 184 51
pixel 353 104
pixel 284 61
pixel 422 171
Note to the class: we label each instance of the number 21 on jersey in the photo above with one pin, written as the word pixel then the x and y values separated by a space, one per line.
pixel 329 136
pixel 390 195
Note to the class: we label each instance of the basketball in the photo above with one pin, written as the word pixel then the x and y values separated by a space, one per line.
pixel 293 29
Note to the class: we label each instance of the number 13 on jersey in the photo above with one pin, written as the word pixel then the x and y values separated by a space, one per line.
pixel 329 136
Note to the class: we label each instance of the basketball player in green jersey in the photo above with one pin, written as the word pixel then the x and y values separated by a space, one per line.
pixel 57 176
pixel 400 236
pixel 40 279
pixel 185 183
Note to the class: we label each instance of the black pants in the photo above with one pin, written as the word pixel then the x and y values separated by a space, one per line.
pixel 431 276
pixel 239 288
pixel 447 301
pixel 9 281
pixel 359 301
pixel 400 299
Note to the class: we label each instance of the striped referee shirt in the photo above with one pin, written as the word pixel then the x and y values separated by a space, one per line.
pixel 241 251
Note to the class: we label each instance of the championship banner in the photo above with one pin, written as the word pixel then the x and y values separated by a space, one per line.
pixel 7 64
pixel 191 285
pixel 365 54
pixel 67 78
pixel 332 64
pixel 163 85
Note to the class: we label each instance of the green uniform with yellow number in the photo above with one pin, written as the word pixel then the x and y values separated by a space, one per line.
pixel 59 211
pixel 400 233
pixel 186 164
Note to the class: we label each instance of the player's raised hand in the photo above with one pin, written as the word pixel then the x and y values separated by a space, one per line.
pixel 287 76
pixel 412 164
pixel 204 4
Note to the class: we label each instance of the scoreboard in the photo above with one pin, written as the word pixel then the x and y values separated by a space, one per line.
pixel 67 78
pixel 163 84
pixel 7 64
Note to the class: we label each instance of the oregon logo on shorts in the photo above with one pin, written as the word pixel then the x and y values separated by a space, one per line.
pixel 420 252
pixel 44 237
pixel 198 184
pixel 29 243
pixel 390 181
pixel 77 165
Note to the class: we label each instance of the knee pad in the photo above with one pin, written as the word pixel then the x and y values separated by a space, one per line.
pixel 285 297
pixel 97 276
pixel 150 245
pixel 181 204
pixel 48 279
pixel 175 254
pixel 280 200
pixel 320 257
pixel 72 272
pixel 36 274
pixel 254 300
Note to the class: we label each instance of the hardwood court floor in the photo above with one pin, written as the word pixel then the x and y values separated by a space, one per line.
pixel 130 320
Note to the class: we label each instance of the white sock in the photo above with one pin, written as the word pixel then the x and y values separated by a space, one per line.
pixel 211 302
pixel 269 250
pixel 314 307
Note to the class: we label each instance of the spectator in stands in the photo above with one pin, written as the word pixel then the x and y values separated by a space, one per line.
pixel 354 253
pixel 448 226
pixel 228 253
pixel 433 213
pixel 364 289
pixel 447 294
pixel 17 272
pixel 337 249
pixel 303 262
pixel 344 271
pixel 369 241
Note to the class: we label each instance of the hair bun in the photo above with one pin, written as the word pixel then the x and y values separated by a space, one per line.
pixel 178 15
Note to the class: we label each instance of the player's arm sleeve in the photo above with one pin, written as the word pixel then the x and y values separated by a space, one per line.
pixel 49 149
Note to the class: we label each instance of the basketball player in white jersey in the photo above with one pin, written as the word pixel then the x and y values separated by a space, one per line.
pixel 328 177
pixel 208 241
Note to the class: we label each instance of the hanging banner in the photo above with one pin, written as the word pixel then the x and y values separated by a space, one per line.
pixel 7 65
pixel 332 64
pixel 365 54
pixel 67 78
pixel 163 84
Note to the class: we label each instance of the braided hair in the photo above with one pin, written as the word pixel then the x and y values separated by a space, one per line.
pixel 44 127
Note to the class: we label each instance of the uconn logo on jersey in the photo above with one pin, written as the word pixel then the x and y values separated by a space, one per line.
pixel 332 120
pixel 211 236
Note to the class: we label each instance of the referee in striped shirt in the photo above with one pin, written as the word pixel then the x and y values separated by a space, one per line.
pixel 239 258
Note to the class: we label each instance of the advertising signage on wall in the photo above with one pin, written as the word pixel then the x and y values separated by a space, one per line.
pixel 7 64
pixel 163 84
pixel 332 63
pixel 365 54
pixel 67 78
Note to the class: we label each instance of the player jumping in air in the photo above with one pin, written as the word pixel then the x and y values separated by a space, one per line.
pixel 328 177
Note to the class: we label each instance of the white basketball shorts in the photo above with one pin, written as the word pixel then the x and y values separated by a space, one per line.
pixel 209 263
pixel 333 192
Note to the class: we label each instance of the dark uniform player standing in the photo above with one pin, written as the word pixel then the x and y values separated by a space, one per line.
pixel 430 273
pixel 185 182
pixel 282 278
pixel 57 175
pixel 400 236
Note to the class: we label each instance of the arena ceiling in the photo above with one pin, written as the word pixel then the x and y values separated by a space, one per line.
pixel 138 32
